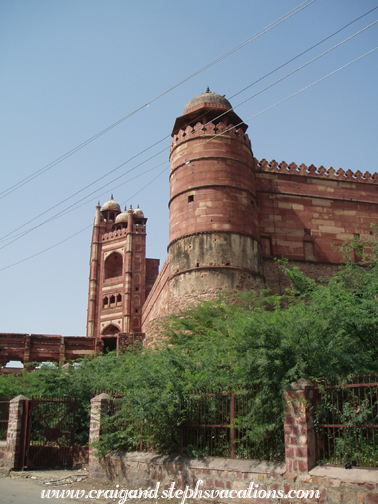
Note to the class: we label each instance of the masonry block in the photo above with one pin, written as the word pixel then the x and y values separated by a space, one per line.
pixel 14 454
pixel 299 427
pixel 99 408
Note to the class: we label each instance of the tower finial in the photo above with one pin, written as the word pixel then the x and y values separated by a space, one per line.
pixel 207 90
pixel 111 196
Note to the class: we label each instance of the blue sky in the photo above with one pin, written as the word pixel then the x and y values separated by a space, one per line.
pixel 70 69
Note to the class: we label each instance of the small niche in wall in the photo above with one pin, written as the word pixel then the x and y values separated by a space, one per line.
pixel 266 245
pixel 308 247
pixel 358 249
pixel 190 198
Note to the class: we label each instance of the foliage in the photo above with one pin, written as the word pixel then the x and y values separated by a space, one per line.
pixel 317 329
pixel 346 417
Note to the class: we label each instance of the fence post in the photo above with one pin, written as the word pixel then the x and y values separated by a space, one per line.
pixel 99 408
pixel 299 427
pixel 232 429
pixel 16 433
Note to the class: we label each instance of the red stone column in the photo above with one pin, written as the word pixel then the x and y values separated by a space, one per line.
pixel 15 446
pixel 99 408
pixel 299 427
pixel 93 280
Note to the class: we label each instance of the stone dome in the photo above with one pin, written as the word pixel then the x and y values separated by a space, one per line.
pixel 122 217
pixel 138 212
pixel 207 99
pixel 111 205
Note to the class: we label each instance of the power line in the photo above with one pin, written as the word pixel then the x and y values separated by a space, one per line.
pixel 313 84
pixel 8 236
pixel 304 52
pixel 47 167
pixel 46 249
pixel 78 205
pixel 73 235
pixel 63 212
pixel 215 136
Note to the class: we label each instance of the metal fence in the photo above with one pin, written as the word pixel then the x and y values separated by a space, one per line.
pixel 216 426
pixel 4 414
pixel 213 424
pixel 141 434
pixel 346 421
pixel 50 432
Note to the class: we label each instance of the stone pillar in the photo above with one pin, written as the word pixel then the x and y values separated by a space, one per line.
pixel 99 408
pixel 299 427
pixel 26 349
pixel 92 294
pixel 127 323
pixel 17 422
pixel 62 350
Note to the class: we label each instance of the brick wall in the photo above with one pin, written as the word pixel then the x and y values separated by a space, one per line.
pixel 156 305
pixel 14 454
pixel 305 212
pixel 333 485
pixel 43 347
pixel 298 472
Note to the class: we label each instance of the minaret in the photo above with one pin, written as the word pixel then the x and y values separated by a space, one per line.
pixel 93 271
pixel 117 281
pixel 214 242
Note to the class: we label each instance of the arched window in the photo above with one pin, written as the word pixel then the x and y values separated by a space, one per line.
pixel 136 323
pixel 105 302
pixel 113 266
pixel 110 330
pixel 112 300
pixel 119 298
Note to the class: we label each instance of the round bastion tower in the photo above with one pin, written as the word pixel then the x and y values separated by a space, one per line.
pixel 214 240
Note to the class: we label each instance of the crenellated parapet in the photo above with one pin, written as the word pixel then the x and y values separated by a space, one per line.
pixel 339 175
pixel 114 234
pixel 210 130
pixel 137 228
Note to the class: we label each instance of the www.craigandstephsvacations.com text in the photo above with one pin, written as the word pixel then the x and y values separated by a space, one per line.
pixel 250 492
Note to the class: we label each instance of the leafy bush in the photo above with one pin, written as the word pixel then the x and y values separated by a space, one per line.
pixel 262 341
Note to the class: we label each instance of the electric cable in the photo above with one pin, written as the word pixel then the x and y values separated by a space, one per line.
pixel 304 52
pixel 63 212
pixel 50 165
pixel 78 205
pixel 215 136
pixel 73 235
pixel 15 237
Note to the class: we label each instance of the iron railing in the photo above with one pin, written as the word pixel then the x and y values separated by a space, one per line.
pixel 141 433
pixel 50 432
pixel 346 421
pixel 4 414
pixel 217 424
pixel 214 423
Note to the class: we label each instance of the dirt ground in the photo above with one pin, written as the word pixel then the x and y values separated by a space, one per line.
pixel 78 480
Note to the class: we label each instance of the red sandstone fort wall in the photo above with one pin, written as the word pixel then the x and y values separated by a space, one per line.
pixel 157 303
pixel 304 213
pixel 216 173
pixel 152 272
pixel 43 347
